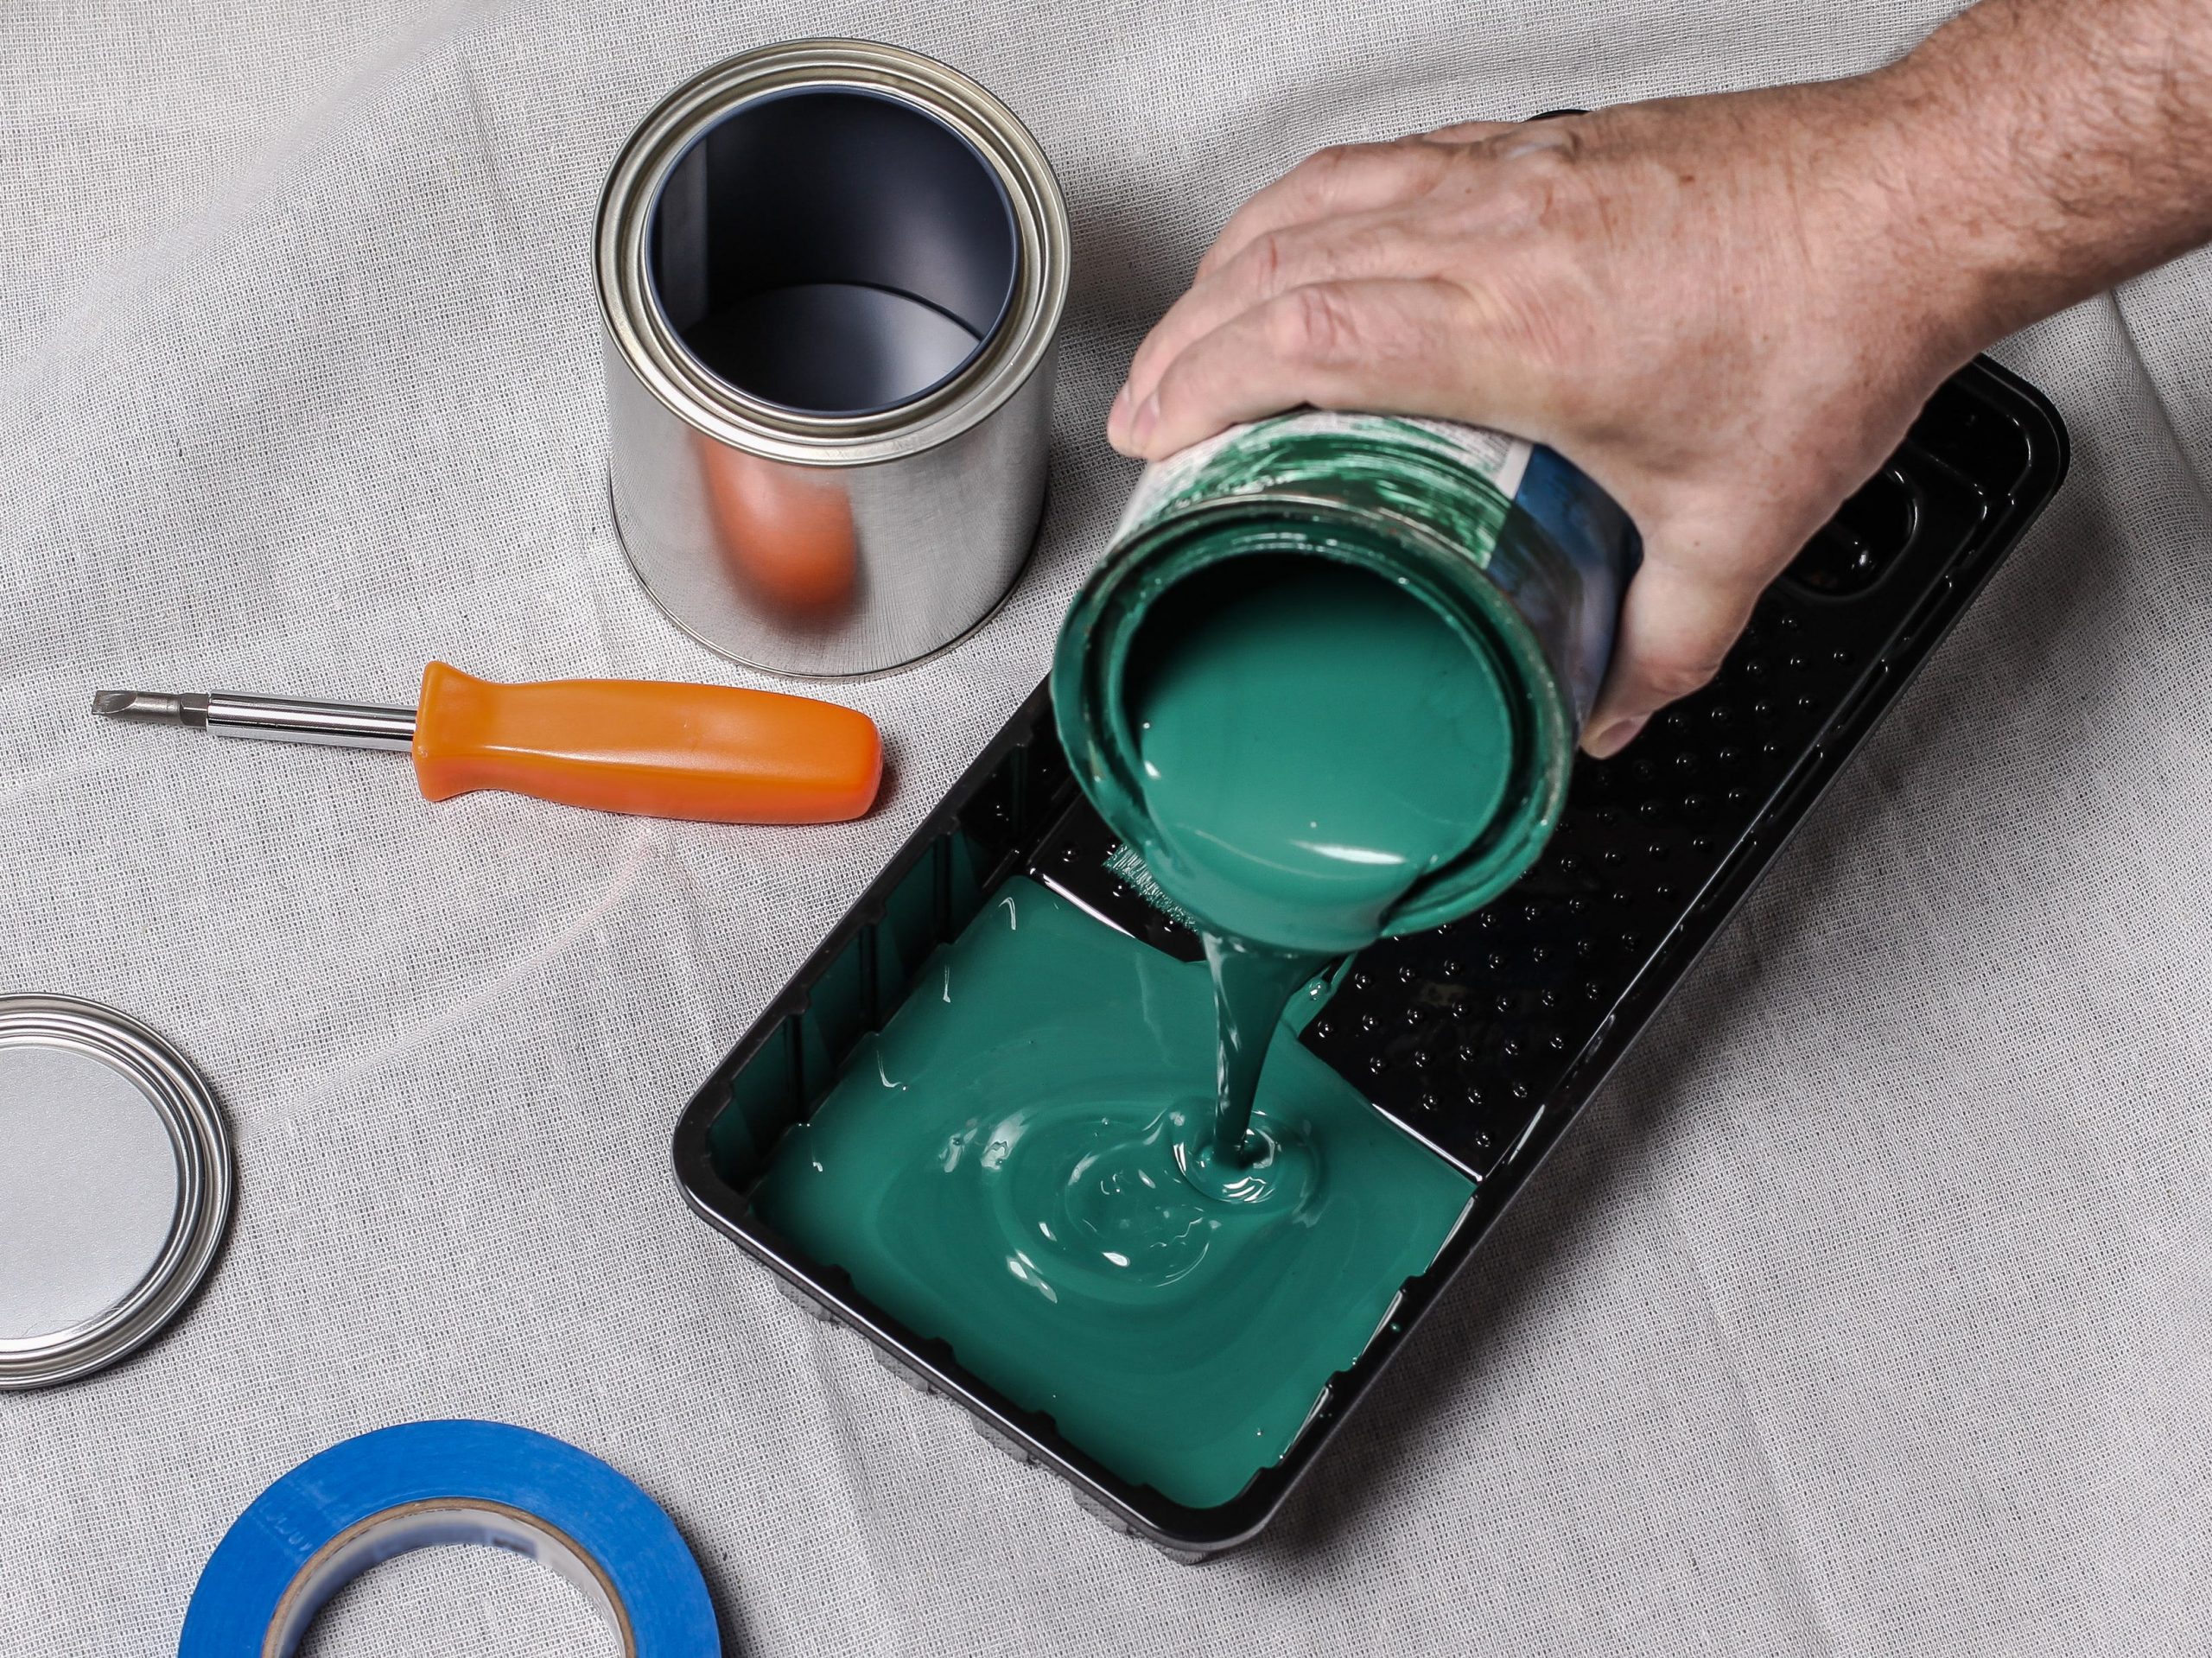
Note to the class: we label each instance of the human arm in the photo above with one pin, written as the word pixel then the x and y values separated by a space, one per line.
pixel 1726 309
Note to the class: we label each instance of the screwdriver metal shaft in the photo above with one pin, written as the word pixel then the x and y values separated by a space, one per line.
pixel 273 718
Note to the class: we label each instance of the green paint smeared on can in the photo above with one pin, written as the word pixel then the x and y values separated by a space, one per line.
pixel 1019 1165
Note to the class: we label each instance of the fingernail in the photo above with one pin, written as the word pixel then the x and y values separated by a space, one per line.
pixel 1615 737
pixel 1148 417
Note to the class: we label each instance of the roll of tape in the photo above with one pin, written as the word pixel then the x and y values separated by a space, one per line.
pixel 421 1483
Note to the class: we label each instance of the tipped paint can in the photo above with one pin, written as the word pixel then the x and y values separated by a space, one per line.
pixel 832 273
pixel 1521 557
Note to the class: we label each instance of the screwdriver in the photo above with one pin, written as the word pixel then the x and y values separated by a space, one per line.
pixel 711 754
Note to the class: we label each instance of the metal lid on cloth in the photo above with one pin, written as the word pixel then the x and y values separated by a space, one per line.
pixel 115 1184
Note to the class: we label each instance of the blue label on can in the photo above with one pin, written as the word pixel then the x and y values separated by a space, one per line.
pixel 1602 549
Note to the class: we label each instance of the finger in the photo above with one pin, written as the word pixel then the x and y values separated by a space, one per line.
pixel 1328 184
pixel 1676 626
pixel 1471 132
pixel 1398 346
pixel 1373 246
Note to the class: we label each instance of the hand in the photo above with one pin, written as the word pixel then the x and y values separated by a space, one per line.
pixel 1721 308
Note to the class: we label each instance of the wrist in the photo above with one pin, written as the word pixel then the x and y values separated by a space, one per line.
pixel 1919 245
pixel 2033 153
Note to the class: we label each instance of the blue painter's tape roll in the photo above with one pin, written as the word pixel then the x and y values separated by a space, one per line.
pixel 421 1483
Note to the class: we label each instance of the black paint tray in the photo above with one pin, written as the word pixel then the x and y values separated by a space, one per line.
pixel 1485 1037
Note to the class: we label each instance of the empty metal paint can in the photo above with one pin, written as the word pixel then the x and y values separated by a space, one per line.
pixel 832 273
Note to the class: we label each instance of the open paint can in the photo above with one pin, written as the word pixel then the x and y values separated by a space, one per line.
pixel 1521 556
pixel 832 273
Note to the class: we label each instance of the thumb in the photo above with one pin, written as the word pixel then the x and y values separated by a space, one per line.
pixel 1676 625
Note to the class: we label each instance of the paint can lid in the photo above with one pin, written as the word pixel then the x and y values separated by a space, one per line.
pixel 115 1183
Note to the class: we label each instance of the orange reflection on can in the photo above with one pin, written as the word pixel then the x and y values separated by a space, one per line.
pixel 785 532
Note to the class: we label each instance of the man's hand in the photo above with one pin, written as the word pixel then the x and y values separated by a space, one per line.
pixel 1725 309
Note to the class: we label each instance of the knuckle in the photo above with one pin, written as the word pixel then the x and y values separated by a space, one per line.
pixel 1312 325
pixel 1259 266
pixel 1330 163
pixel 1230 246
pixel 1539 184
pixel 1679 675
pixel 1324 175
pixel 1348 177
pixel 1526 199
pixel 1564 139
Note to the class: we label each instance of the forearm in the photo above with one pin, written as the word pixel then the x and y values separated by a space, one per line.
pixel 2039 151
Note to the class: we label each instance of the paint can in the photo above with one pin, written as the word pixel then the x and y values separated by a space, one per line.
pixel 832 273
pixel 1523 555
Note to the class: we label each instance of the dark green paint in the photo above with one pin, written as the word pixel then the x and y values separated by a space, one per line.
pixel 1409 503
pixel 1313 739
pixel 1020 1164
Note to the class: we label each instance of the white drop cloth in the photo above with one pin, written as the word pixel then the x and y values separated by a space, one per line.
pixel 1867 1314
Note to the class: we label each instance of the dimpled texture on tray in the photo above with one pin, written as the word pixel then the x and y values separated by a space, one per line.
pixel 1865 1313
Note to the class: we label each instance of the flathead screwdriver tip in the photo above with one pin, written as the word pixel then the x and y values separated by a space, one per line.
pixel 156 707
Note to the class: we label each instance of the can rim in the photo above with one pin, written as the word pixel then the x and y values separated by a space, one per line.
pixel 205 1183
pixel 639 329
pixel 1488 622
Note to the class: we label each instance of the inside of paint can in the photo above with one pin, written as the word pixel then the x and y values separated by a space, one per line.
pixel 833 251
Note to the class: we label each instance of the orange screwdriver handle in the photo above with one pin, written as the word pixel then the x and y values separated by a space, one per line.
pixel 712 753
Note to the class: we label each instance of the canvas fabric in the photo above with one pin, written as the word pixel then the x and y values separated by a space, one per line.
pixel 1865 1313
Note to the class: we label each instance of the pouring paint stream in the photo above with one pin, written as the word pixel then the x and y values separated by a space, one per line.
pixel 1313 741
pixel 1024 1163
